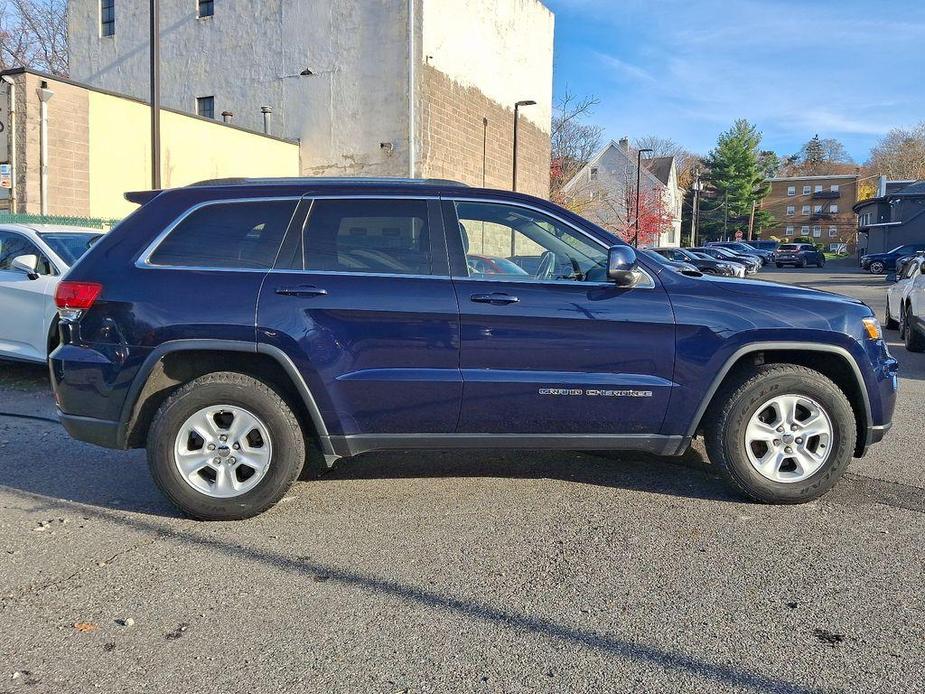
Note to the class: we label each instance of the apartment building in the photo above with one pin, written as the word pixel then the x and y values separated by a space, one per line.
pixel 815 207
pixel 422 88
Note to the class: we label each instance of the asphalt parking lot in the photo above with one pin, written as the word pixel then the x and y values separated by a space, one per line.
pixel 459 572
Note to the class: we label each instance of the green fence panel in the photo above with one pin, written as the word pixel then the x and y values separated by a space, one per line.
pixel 90 222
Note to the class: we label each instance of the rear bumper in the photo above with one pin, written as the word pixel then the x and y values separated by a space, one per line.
pixel 101 432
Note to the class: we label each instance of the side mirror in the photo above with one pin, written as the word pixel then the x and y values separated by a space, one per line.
pixel 28 264
pixel 622 266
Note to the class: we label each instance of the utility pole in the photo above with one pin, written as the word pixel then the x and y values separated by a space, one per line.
pixel 726 215
pixel 695 215
pixel 751 221
pixel 155 95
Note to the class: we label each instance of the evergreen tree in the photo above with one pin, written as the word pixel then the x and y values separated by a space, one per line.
pixel 735 180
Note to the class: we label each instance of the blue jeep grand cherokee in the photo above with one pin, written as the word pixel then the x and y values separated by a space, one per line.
pixel 230 326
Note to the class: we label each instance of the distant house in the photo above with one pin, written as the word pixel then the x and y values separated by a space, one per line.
pixel 603 191
pixel 894 217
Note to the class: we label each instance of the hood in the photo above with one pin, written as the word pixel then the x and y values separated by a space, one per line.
pixel 783 292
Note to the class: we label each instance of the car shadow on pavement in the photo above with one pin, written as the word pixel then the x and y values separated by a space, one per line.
pixel 306 569
pixel 687 476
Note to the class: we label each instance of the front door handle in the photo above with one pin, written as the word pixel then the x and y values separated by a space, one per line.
pixel 495 299
pixel 307 290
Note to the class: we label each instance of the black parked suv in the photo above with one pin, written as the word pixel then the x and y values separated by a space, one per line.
pixel 708 267
pixel 799 255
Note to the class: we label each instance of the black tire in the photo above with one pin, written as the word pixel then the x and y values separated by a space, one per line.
pixel 914 337
pixel 877 268
pixel 255 396
pixel 802 263
pixel 821 263
pixel 889 322
pixel 738 401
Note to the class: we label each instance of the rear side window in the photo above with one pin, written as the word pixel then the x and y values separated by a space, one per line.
pixel 232 235
pixel 368 236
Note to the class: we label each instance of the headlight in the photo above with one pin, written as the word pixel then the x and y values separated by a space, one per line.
pixel 872 328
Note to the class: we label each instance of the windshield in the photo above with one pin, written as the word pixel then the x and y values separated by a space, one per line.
pixel 69 247
pixel 725 253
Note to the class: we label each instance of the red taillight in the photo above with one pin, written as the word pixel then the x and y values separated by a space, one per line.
pixel 79 295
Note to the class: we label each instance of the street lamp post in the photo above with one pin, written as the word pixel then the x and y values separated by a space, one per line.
pixel 638 180
pixel 517 106
pixel 155 95
pixel 516 124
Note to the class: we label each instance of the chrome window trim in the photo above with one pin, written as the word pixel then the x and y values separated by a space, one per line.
pixel 496 201
pixel 144 258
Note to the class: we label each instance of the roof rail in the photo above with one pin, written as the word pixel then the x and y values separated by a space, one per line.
pixel 308 180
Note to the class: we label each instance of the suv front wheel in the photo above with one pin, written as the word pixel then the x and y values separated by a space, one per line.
pixel 225 446
pixel 781 433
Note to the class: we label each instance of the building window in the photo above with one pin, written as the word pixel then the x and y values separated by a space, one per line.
pixel 807 190
pixel 804 230
pixel 788 231
pixel 833 232
pixel 791 210
pixel 107 17
pixel 205 106
pixel 818 189
pixel 817 231
pixel 593 173
pixel 791 191
pixel 806 209
pixel 817 209
pixel 833 209
pixel 205 8
pixel 834 187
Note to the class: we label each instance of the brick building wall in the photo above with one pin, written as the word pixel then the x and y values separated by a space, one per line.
pixel 68 147
pixel 454 139
pixel 802 206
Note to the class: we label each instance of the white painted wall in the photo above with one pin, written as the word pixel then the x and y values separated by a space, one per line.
pixel 358 50
pixel 502 47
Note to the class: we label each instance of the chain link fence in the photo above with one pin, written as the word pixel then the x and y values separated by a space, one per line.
pixel 56 220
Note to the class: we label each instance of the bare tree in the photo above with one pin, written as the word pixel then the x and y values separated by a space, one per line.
pixel 900 154
pixel 33 33
pixel 574 141
pixel 666 147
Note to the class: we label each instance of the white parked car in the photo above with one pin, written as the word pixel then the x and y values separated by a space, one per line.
pixel 33 259
pixel 905 304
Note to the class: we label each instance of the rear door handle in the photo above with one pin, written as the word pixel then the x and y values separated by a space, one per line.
pixel 495 298
pixel 307 290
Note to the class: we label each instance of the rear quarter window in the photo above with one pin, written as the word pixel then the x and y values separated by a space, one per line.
pixel 227 235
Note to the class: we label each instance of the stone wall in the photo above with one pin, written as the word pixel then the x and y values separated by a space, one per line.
pixel 454 138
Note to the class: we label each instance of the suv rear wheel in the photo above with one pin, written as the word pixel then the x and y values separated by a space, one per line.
pixel 781 433
pixel 225 446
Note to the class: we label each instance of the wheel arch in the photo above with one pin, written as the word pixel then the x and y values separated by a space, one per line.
pixel 830 360
pixel 177 362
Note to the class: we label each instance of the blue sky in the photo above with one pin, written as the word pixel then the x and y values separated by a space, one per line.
pixel 686 69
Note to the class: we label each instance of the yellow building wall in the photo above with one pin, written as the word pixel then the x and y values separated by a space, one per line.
pixel 192 149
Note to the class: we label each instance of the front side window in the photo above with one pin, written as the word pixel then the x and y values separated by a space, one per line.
pixel 13 245
pixel 107 17
pixel 542 248
pixel 205 8
pixel 228 235
pixel 387 236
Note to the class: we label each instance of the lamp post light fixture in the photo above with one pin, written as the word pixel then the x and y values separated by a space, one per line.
pixel 638 180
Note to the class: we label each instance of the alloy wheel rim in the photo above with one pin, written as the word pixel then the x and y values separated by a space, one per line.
pixel 223 451
pixel 789 438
